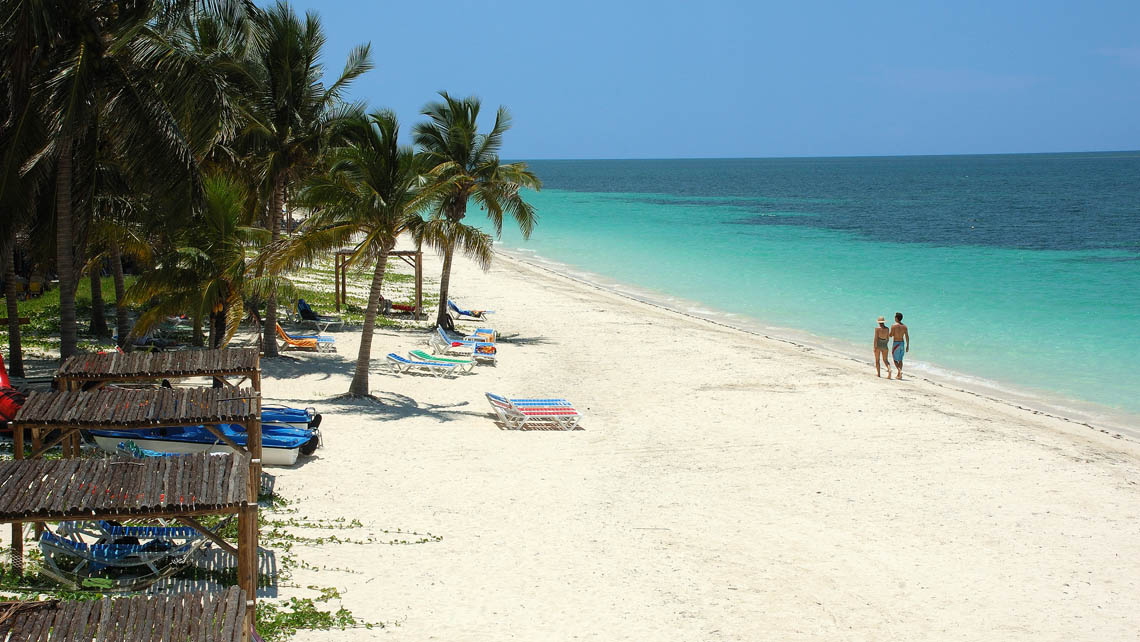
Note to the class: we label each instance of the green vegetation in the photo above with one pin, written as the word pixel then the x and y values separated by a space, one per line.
pixel 277 620
pixel 172 136
pixel 42 331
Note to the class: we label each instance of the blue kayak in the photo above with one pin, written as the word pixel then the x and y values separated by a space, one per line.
pixel 280 443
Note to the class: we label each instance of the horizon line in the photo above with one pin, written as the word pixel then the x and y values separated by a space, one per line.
pixel 838 156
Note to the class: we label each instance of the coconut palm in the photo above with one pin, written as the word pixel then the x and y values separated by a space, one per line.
pixel 469 163
pixel 110 91
pixel 372 193
pixel 207 274
pixel 293 115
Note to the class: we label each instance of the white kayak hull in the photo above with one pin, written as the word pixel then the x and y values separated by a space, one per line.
pixel 269 456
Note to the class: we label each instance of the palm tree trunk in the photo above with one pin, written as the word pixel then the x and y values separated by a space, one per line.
pixel 98 314
pixel 15 358
pixel 122 323
pixel 65 251
pixel 217 327
pixel 269 337
pixel 445 281
pixel 359 386
pixel 199 338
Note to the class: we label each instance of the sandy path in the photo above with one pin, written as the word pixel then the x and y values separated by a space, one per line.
pixel 724 487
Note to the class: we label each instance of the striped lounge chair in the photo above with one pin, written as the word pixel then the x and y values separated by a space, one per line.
pixel 398 364
pixel 466 365
pixel 517 413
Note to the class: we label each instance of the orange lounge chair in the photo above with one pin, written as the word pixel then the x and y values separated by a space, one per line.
pixel 307 342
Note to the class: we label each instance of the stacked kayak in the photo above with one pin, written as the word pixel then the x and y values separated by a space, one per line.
pixel 286 433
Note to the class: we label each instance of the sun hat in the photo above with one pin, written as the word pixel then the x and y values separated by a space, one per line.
pixel 882 319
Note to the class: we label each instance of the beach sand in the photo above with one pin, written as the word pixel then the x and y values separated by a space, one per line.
pixel 723 486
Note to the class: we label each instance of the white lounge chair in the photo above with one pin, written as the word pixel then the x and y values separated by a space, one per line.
pixel 466 365
pixel 441 343
pixel 516 413
pixel 398 364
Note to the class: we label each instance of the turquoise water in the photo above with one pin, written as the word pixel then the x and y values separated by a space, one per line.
pixel 1004 281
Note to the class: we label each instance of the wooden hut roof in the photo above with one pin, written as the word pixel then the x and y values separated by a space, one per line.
pixel 131 408
pixel 207 617
pixel 62 489
pixel 179 363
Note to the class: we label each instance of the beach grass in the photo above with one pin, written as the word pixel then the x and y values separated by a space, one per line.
pixel 41 334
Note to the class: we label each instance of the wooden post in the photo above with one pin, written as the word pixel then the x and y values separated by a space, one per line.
pixel 336 280
pixel 344 282
pixel 18 527
pixel 247 561
pixel 419 285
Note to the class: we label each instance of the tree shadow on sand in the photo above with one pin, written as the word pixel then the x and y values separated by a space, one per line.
pixel 323 364
pixel 394 406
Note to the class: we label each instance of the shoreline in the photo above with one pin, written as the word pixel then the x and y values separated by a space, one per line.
pixel 1087 414
pixel 721 486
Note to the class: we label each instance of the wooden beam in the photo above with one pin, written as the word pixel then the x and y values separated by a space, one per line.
pixel 38 450
pixel 208 534
pixel 225 440
pixel 419 285
pixel 18 527
pixel 89 515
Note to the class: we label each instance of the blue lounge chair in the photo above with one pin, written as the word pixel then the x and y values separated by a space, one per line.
pixel 306 315
pixel 118 557
pixel 467 315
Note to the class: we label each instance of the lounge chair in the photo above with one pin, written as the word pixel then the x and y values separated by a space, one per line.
pixel 466 365
pixel 467 315
pixel 441 343
pixel 400 364
pixel 306 342
pixel 387 306
pixel 35 286
pixel 517 413
pixel 110 556
pixel 319 322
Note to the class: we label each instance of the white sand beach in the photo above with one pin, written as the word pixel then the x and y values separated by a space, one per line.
pixel 723 486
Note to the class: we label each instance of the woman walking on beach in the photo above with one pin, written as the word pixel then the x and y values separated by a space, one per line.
pixel 882 338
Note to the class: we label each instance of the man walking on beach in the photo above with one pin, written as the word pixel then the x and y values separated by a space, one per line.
pixel 901 345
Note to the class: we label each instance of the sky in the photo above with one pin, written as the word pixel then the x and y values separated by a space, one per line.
pixel 719 79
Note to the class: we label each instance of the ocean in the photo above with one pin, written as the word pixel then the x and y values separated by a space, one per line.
pixel 1018 274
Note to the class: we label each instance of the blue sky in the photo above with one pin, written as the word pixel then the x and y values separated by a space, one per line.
pixel 711 78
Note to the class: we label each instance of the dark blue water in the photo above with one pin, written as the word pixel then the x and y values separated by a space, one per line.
pixel 1031 201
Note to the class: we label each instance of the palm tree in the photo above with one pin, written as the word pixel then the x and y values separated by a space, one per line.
pixel 372 193
pixel 207 273
pixel 469 163
pixel 293 114
pixel 110 81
